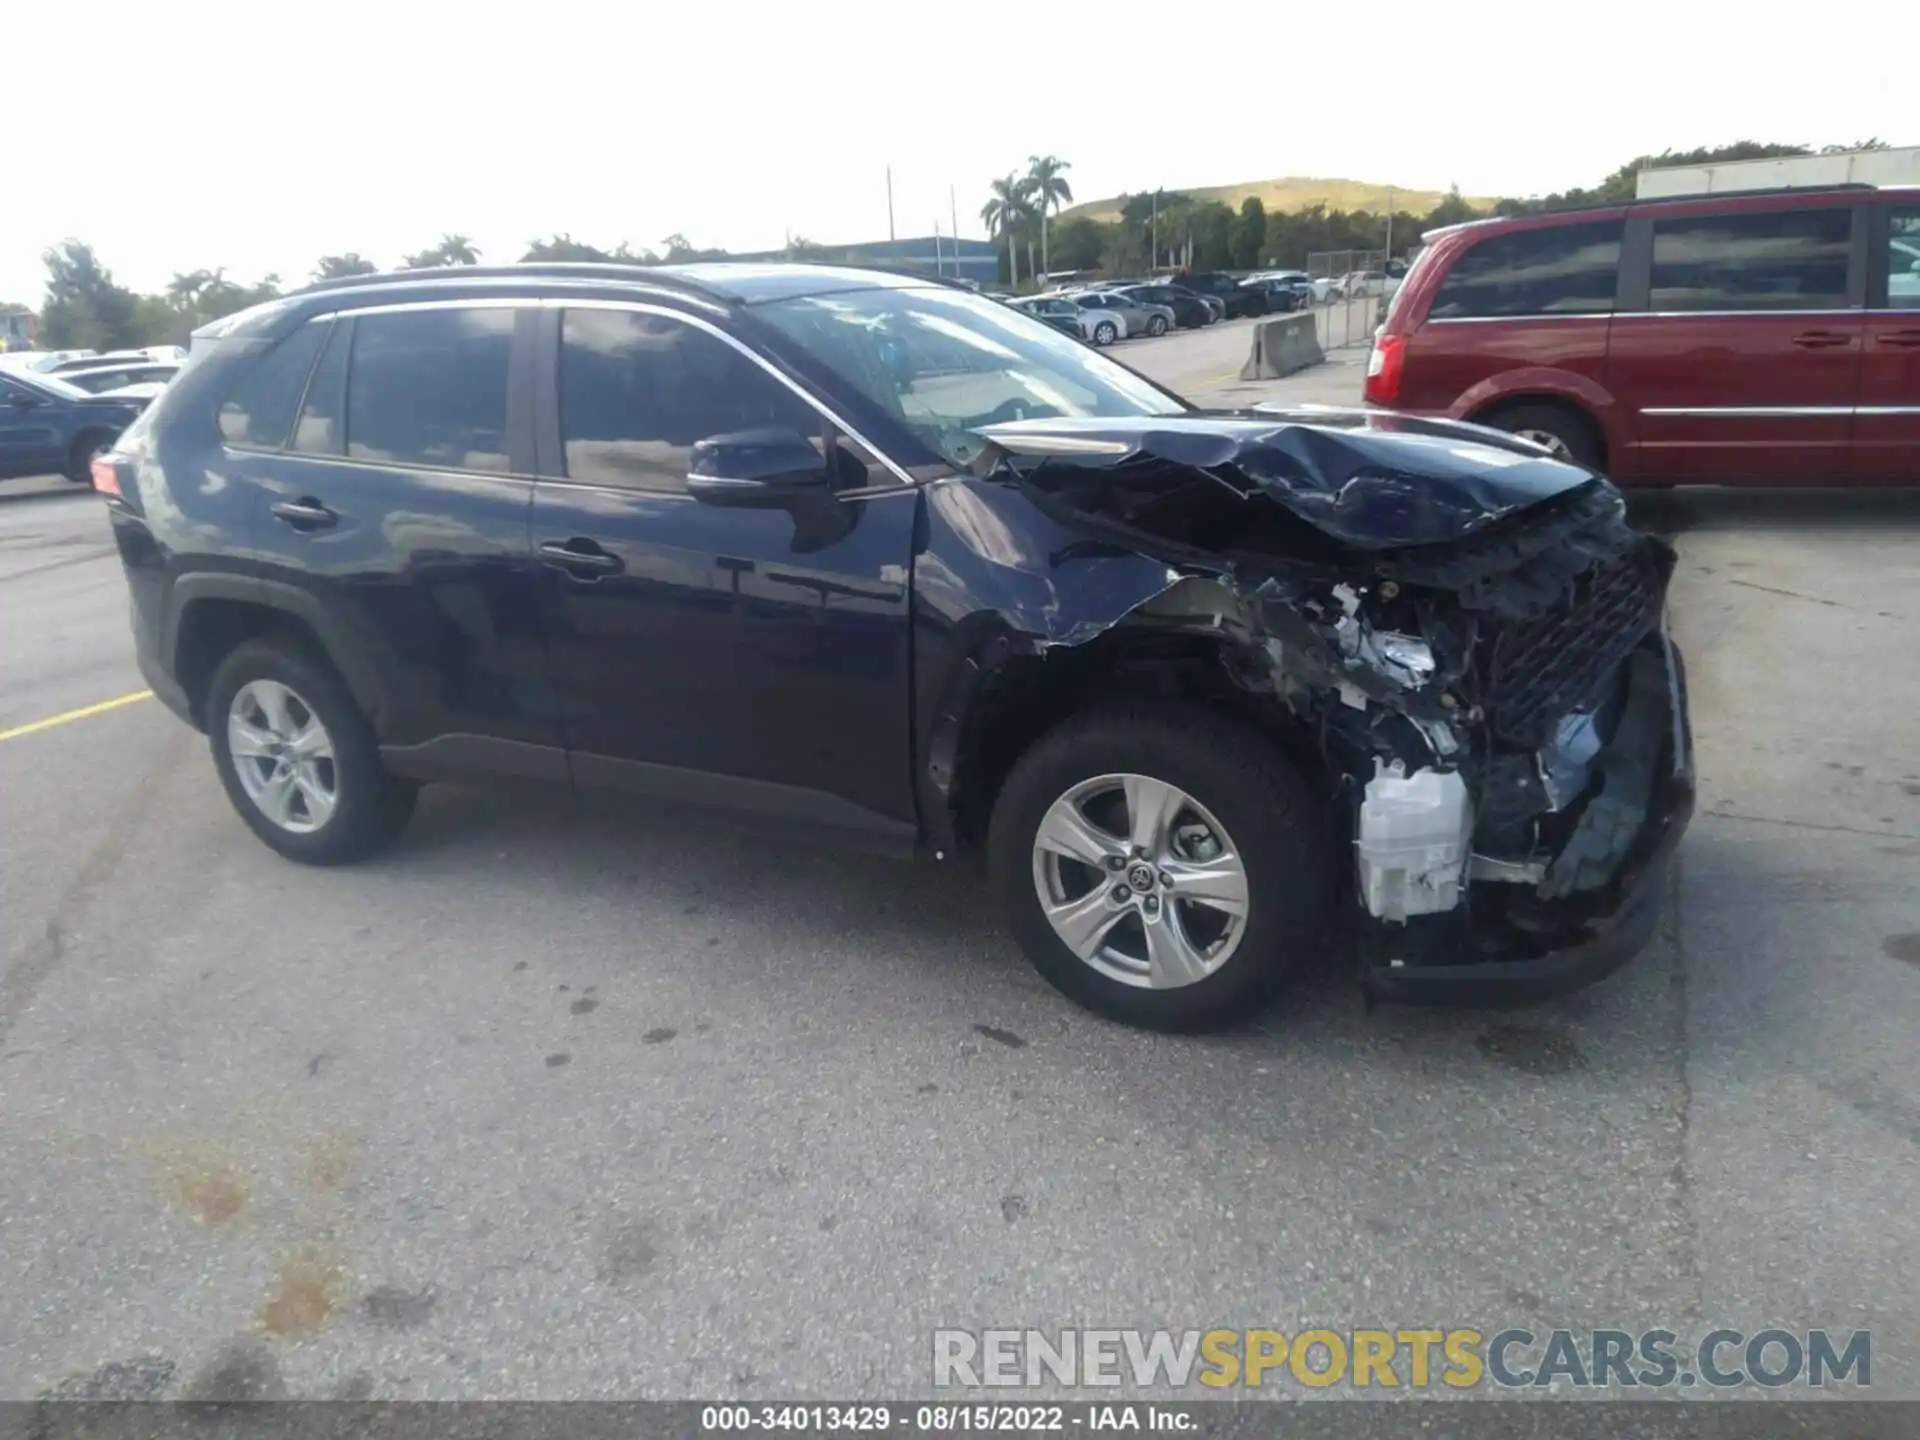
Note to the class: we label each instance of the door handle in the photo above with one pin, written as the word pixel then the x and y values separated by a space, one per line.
pixel 583 559
pixel 306 513
pixel 1821 339
pixel 1902 339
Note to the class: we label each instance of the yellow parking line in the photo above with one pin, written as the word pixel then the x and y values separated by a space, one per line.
pixel 1218 379
pixel 82 713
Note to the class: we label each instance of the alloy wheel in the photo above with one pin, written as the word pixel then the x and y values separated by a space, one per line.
pixel 1140 881
pixel 283 756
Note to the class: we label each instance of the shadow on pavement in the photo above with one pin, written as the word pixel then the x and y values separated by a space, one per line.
pixel 1724 508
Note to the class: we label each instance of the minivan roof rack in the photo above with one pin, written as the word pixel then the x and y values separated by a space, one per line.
pixel 1839 187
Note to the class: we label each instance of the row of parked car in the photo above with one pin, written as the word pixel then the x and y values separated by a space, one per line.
pixel 1103 311
pixel 59 409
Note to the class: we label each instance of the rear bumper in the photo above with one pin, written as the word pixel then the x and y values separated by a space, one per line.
pixel 1612 940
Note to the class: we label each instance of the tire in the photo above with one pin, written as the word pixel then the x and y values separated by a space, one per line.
pixel 1157 325
pixel 1561 429
pixel 80 458
pixel 1105 333
pixel 369 807
pixel 1230 778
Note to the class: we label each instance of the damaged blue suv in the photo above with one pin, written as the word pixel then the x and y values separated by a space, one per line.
pixel 1216 694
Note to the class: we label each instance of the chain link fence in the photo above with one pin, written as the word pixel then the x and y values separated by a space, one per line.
pixel 1347 289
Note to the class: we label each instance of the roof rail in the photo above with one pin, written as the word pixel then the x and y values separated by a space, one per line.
pixel 555 269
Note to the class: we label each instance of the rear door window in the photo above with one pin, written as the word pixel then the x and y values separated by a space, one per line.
pixel 259 411
pixel 1557 270
pixel 429 387
pixel 1761 260
pixel 1903 259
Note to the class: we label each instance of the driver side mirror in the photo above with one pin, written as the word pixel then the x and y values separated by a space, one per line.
pixel 757 468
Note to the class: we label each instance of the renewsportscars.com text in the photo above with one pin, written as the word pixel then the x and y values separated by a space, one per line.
pixel 1456 1358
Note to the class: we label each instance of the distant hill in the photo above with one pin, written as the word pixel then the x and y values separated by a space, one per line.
pixel 1291 193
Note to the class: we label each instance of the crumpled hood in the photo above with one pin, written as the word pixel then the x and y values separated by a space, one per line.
pixel 1371 479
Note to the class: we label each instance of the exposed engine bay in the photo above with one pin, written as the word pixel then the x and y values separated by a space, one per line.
pixel 1470 629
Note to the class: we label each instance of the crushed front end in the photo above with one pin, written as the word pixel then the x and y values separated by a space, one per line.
pixel 1469 637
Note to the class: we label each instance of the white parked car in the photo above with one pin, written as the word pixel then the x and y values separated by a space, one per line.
pixel 111 379
pixel 1061 313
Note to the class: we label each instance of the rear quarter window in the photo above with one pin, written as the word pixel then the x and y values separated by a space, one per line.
pixel 258 412
pixel 1557 270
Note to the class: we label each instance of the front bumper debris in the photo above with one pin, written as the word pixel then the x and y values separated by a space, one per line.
pixel 1610 937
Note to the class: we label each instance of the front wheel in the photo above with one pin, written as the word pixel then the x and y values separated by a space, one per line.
pixel 1163 866
pixel 1105 333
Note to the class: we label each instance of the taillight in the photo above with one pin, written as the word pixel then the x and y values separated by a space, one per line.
pixel 1384 367
pixel 106 477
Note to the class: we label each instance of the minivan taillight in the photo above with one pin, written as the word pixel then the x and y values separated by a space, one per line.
pixel 1384 366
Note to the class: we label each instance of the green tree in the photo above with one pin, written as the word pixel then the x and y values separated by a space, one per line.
pixel 1212 236
pixel 338 267
pixel 1048 190
pixel 84 309
pixel 452 250
pixel 1006 215
pixel 1249 233
pixel 1452 210
pixel 1081 243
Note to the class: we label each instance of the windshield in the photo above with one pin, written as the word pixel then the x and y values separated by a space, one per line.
pixel 944 363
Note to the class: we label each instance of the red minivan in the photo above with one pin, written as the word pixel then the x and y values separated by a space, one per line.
pixel 1762 337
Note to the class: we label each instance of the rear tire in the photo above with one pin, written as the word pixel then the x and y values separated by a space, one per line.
pixel 364 807
pixel 1563 431
pixel 1157 325
pixel 1236 793
pixel 80 458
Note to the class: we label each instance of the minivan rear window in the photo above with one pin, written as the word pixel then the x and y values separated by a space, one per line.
pixel 1761 260
pixel 1558 270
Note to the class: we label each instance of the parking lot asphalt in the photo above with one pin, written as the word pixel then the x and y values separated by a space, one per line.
pixel 551 1104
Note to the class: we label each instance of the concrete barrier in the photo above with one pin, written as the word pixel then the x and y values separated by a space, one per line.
pixel 1283 344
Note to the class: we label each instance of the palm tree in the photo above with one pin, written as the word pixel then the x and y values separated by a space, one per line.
pixel 1049 190
pixel 1005 215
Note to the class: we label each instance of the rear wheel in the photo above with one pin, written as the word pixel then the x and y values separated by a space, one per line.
pixel 1162 865
pixel 86 449
pixel 1562 432
pixel 298 760
pixel 1157 325
pixel 1105 333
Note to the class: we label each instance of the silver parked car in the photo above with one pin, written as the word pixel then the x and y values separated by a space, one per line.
pixel 1134 318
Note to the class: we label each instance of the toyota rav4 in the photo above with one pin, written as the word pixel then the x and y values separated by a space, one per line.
pixel 1216 694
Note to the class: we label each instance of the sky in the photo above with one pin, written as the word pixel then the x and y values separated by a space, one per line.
pixel 260 136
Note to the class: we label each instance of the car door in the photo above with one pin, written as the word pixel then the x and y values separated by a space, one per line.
pixel 1740 359
pixel 395 521
pixel 1886 426
pixel 752 658
pixel 29 436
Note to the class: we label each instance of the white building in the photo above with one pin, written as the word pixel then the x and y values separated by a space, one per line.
pixel 1854 167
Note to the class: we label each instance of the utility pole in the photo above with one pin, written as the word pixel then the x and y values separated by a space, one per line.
pixel 1153 232
pixel 1389 224
pixel 937 270
pixel 889 203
